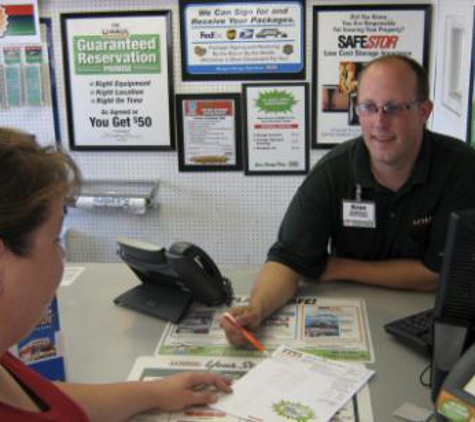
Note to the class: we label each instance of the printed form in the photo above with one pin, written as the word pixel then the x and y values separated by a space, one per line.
pixel 148 368
pixel 292 385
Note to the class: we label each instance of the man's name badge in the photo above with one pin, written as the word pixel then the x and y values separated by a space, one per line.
pixel 359 214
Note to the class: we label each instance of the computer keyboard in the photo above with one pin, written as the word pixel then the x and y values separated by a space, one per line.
pixel 414 330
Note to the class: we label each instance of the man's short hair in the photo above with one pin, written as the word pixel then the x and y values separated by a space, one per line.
pixel 422 81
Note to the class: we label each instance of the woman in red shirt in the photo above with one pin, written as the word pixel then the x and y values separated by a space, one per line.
pixel 34 182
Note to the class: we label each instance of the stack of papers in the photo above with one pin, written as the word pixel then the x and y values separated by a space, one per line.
pixel 292 385
pixel 147 368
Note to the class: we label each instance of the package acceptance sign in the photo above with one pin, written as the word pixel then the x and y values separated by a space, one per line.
pixel 243 38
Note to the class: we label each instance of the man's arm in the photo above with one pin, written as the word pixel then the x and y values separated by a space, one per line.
pixel 395 273
pixel 275 285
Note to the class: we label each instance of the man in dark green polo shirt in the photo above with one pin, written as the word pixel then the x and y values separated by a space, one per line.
pixel 374 210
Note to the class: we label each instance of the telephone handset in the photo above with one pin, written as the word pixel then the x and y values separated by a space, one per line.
pixel 171 279
pixel 199 274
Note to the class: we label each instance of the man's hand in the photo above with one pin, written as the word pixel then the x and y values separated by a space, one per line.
pixel 275 285
pixel 247 316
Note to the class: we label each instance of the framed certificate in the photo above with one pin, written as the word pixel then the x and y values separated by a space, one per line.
pixel 345 38
pixel 119 88
pixel 276 129
pixel 242 40
pixel 209 132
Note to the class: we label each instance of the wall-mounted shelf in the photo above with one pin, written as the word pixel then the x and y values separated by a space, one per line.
pixel 130 196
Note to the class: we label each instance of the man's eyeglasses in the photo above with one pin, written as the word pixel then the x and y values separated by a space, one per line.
pixel 389 109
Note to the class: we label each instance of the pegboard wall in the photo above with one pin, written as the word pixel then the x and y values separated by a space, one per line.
pixel 233 217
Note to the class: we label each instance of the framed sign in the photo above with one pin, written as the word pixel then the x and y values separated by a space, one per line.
pixel 19 22
pixel 242 40
pixel 209 132
pixel 471 95
pixel 119 88
pixel 345 39
pixel 45 29
pixel 276 134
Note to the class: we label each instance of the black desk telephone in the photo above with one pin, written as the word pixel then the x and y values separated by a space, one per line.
pixel 171 279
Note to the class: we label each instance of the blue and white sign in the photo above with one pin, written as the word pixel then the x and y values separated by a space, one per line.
pixel 232 39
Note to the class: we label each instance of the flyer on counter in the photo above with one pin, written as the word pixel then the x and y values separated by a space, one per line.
pixel 147 368
pixel 71 273
pixel 335 328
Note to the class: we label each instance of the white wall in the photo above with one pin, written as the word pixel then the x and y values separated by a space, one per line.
pixel 233 217
pixel 452 71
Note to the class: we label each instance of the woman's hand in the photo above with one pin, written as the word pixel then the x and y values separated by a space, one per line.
pixel 189 389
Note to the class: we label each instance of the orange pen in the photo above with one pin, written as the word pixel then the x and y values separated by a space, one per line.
pixel 253 340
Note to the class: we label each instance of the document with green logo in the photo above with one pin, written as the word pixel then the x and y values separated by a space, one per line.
pixel 292 385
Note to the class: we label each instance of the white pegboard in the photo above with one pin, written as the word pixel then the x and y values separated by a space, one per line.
pixel 235 218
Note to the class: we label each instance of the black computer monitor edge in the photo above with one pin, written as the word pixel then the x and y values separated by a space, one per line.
pixel 454 312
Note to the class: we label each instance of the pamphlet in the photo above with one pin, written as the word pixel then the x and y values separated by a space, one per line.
pixel 292 385
pixel 333 328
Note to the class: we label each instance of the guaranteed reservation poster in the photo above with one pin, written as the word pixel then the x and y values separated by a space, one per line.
pixel 118 82
pixel 345 38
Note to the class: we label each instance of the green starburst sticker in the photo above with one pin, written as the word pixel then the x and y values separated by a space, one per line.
pixel 275 102
pixel 294 411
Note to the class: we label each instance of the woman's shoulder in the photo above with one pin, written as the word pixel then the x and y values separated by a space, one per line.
pixel 44 393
